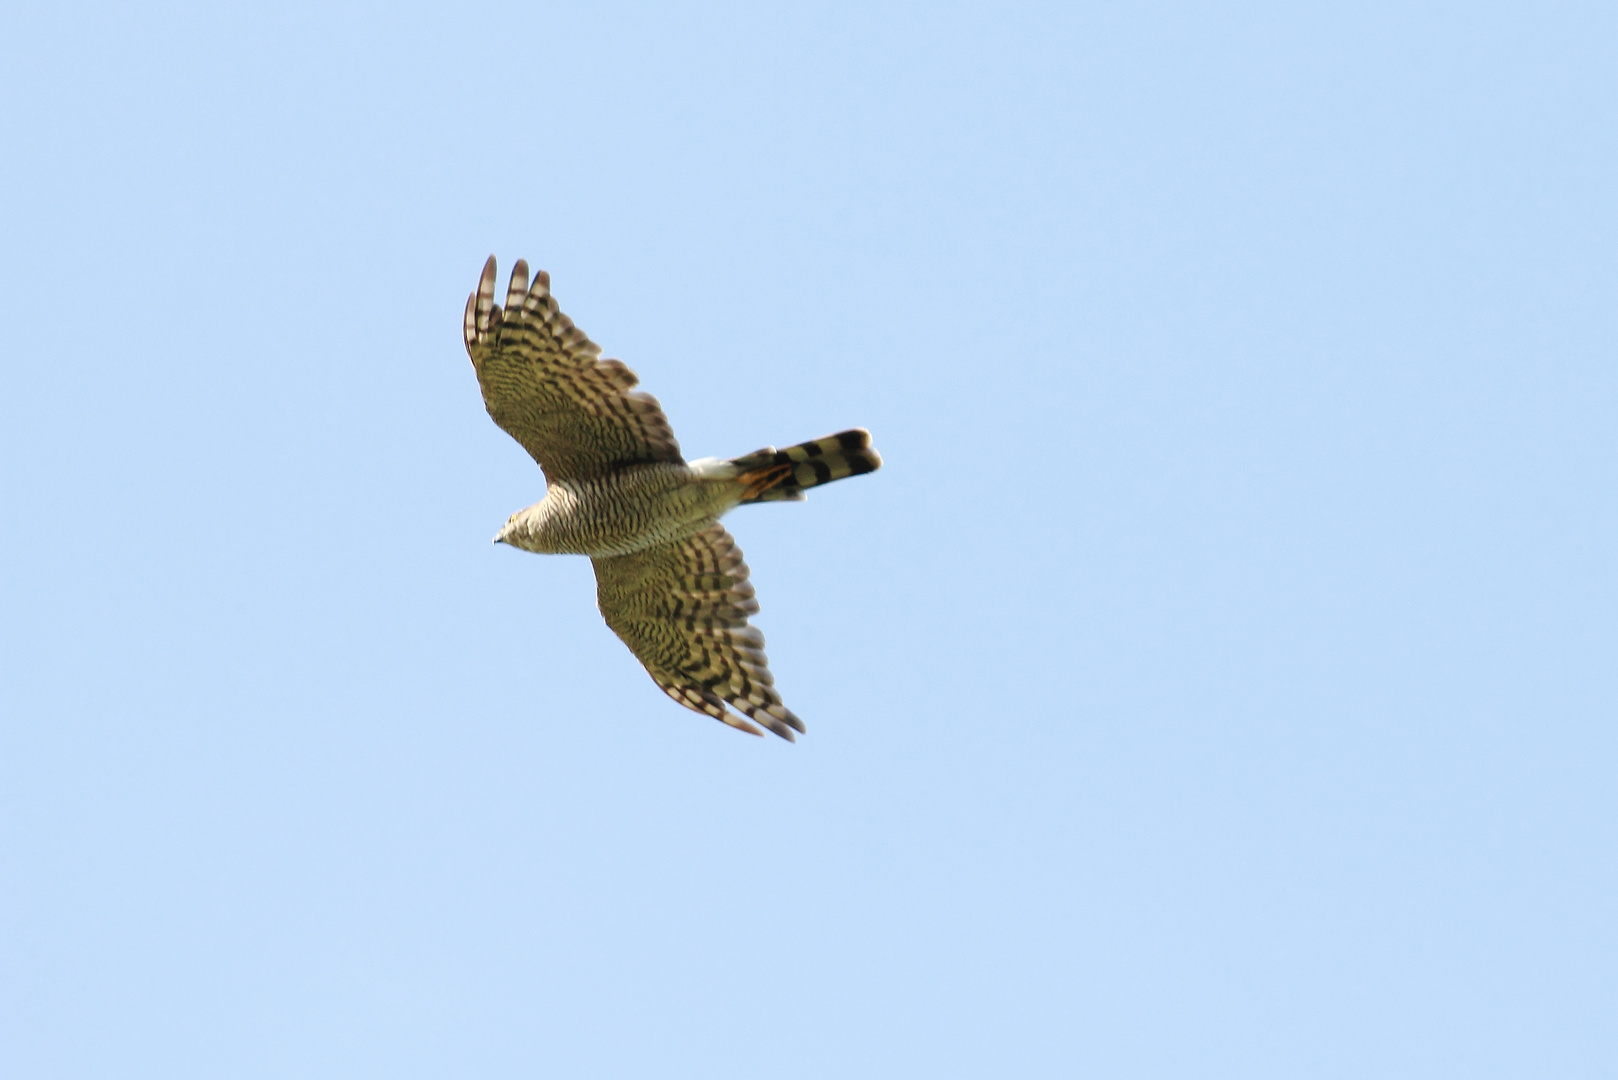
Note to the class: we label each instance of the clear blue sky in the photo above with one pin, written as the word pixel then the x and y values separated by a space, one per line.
pixel 1219 679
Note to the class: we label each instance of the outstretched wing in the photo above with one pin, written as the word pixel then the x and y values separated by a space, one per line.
pixel 682 609
pixel 543 382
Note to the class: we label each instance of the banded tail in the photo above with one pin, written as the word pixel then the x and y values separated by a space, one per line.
pixel 772 475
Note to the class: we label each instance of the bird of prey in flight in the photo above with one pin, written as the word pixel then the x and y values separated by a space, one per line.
pixel 670 580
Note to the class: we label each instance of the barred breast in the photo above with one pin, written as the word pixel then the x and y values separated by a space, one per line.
pixel 620 513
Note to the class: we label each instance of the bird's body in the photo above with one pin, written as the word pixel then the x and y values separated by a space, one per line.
pixel 670 581
pixel 620 513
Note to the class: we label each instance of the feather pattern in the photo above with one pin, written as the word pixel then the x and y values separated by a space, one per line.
pixel 682 609
pixel 544 383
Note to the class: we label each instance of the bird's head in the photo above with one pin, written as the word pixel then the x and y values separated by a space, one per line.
pixel 522 530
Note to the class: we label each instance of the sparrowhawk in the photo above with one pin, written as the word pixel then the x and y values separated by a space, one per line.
pixel 670 580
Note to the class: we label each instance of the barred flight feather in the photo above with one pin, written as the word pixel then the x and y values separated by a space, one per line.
pixel 543 384
pixel 783 475
pixel 682 609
